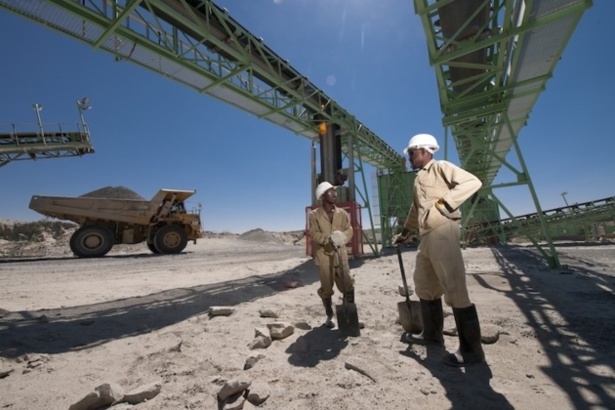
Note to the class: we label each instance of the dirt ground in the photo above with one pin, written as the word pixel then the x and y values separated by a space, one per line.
pixel 134 319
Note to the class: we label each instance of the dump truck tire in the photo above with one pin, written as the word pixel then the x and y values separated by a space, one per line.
pixel 170 239
pixel 91 241
pixel 152 248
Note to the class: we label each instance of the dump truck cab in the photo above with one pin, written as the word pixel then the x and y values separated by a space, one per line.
pixel 172 226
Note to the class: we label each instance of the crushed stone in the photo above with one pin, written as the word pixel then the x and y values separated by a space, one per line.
pixel 117 192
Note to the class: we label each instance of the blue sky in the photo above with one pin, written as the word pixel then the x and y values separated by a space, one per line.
pixel 150 132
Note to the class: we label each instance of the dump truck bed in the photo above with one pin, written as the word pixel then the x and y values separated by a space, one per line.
pixel 133 211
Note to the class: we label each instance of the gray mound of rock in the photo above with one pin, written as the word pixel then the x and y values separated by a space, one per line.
pixel 259 235
pixel 114 192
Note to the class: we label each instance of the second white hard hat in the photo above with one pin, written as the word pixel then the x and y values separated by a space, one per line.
pixel 422 141
pixel 322 188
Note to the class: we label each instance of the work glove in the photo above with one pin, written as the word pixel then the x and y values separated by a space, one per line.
pixel 338 239
pixel 444 209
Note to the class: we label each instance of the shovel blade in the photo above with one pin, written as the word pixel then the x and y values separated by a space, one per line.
pixel 410 316
pixel 348 319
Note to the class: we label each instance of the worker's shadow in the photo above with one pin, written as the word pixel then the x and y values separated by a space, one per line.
pixel 466 388
pixel 319 344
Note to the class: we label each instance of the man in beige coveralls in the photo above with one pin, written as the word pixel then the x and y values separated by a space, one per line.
pixel 330 231
pixel 440 188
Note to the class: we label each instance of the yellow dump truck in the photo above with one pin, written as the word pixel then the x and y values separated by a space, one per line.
pixel 163 222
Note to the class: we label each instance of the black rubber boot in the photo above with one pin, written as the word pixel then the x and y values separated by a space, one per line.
pixel 328 304
pixel 349 296
pixel 433 323
pixel 470 348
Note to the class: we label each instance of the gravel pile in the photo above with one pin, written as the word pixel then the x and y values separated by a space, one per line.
pixel 259 235
pixel 114 192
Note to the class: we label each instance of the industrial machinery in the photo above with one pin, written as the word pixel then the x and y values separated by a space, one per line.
pixel 48 141
pixel 162 222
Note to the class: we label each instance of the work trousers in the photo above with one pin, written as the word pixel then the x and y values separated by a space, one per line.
pixel 439 267
pixel 330 273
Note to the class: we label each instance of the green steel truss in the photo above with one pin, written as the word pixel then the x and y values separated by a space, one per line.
pixel 199 45
pixel 492 59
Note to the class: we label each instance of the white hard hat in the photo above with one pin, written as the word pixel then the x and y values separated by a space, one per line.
pixel 427 141
pixel 322 188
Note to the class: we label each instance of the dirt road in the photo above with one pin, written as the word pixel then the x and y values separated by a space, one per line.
pixel 61 280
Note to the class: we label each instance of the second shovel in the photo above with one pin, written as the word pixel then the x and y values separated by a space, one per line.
pixel 409 310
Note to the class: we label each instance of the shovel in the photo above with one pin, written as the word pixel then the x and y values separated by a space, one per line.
pixel 347 316
pixel 409 310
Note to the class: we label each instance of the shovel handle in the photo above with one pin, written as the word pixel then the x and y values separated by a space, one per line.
pixel 403 274
pixel 340 267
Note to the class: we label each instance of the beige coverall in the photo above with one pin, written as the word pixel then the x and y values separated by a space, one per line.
pixel 439 266
pixel 324 253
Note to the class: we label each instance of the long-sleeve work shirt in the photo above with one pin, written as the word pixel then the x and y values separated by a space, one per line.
pixel 439 180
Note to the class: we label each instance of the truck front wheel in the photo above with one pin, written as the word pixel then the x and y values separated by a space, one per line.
pixel 152 247
pixel 91 241
pixel 170 239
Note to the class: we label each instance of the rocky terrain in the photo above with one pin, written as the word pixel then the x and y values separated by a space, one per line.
pixel 234 322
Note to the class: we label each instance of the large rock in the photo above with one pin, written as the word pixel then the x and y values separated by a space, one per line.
pixel 234 387
pixel 143 393
pixel 280 331
pixel 251 361
pixel 262 339
pixel 220 311
pixel 268 313
pixel 258 393
pixel 103 395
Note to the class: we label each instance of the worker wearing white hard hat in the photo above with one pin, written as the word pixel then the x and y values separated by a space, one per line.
pixel 330 230
pixel 440 188
pixel 322 188
pixel 425 141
